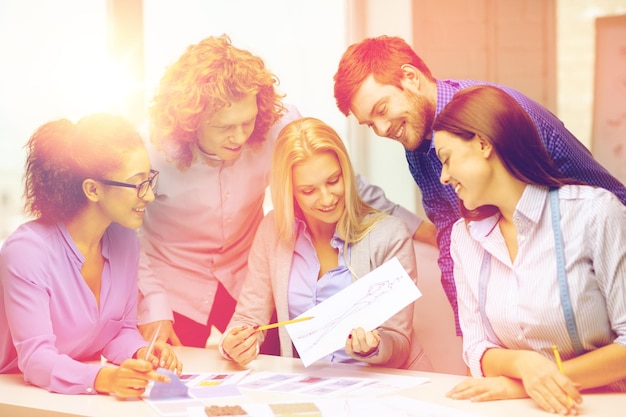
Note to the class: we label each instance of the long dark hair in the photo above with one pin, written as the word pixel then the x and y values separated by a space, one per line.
pixel 494 115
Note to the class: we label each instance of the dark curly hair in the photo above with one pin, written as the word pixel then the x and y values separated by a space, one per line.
pixel 61 155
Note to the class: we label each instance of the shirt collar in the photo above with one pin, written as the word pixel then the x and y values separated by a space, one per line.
pixel 301 227
pixel 69 241
pixel 214 160
pixel 532 203
pixel 480 229
pixel 530 206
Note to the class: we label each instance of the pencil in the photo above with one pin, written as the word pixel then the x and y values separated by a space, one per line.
pixel 559 364
pixel 557 358
pixel 152 342
pixel 282 323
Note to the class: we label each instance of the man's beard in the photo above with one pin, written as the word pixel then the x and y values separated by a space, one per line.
pixel 420 120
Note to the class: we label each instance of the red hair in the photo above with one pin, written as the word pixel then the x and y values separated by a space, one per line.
pixel 383 57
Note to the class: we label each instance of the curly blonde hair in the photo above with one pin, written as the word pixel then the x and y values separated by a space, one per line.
pixel 206 78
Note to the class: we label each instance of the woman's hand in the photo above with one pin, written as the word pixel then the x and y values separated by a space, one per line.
pixel 488 389
pixel 162 356
pixel 544 383
pixel 166 332
pixel 128 380
pixel 362 343
pixel 241 345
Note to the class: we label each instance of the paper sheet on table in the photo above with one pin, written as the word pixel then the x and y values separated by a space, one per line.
pixel 367 303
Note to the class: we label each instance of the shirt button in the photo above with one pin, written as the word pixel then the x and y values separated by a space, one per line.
pixel 522 238
pixel 89 390
pixel 229 220
pixel 227 196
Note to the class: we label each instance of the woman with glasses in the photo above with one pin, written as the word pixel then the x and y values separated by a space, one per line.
pixel 68 292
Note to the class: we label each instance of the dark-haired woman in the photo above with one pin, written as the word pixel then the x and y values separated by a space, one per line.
pixel 68 293
pixel 539 260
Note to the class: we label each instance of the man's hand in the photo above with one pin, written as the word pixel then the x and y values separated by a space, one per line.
pixel 166 334
pixel 426 233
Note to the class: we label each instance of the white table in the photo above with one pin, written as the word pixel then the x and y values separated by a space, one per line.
pixel 19 399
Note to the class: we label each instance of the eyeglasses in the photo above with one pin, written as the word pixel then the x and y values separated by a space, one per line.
pixel 142 187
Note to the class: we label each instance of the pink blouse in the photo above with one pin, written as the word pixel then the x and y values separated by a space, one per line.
pixel 49 320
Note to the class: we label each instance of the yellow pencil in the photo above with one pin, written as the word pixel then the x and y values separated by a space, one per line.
pixel 559 364
pixel 282 323
pixel 557 358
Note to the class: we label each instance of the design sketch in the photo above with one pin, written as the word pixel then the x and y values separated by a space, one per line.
pixel 366 303
pixel 376 290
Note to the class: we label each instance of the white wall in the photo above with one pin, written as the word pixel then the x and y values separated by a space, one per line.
pixel 384 161
pixel 55 62
pixel 52 64
pixel 576 60
pixel 300 41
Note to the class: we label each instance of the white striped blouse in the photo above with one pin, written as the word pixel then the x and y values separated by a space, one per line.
pixel 523 305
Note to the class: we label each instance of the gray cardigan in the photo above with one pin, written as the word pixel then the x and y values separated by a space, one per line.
pixel 267 281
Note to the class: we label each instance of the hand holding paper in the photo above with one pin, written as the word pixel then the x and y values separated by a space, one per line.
pixel 367 303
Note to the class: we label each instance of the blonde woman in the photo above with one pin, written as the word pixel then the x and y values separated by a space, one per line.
pixel 319 239
pixel 213 124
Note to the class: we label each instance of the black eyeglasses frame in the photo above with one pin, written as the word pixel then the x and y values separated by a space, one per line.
pixel 141 188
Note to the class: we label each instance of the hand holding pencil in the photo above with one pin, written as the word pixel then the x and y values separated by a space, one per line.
pixel 241 344
pixel 133 375
pixel 568 407
pixel 282 323
pixel 160 354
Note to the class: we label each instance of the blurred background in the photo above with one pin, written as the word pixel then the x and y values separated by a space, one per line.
pixel 68 58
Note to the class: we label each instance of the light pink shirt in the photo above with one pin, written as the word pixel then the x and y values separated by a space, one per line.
pixel 522 299
pixel 198 231
pixel 306 290
pixel 52 315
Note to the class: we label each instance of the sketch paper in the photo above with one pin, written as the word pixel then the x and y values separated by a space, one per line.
pixel 366 303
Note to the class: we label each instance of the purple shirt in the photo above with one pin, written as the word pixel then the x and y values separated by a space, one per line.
pixel 440 201
pixel 52 315
pixel 306 291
